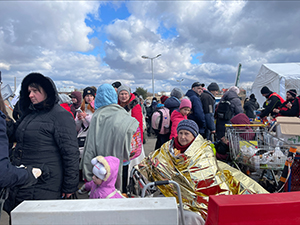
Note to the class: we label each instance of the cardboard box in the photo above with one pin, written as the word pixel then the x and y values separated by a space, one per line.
pixel 288 129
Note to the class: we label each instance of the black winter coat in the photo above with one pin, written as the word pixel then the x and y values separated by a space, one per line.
pixel 250 106
pixel 10 175
pixel 270 104
pixel 208 102
pixel 46 138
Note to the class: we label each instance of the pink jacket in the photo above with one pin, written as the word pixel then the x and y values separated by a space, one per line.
pixel 111 164
pixel 176 117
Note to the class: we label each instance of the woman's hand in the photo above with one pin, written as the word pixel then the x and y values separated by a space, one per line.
pixel 64 195
pixel 276 110
pixel 81 115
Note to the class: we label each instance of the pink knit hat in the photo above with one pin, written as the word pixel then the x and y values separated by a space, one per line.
pixel 185 103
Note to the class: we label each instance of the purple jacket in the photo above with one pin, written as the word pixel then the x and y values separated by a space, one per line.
pixel 111 164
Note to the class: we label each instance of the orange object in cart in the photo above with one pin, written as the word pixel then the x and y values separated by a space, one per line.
pixel 278 208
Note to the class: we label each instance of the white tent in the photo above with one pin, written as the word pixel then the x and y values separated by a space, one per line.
pixel 278 77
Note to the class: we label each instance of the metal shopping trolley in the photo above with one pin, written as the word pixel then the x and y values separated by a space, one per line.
pixel 254 147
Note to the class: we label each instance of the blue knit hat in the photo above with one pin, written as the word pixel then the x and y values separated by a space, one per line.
pixel 189 125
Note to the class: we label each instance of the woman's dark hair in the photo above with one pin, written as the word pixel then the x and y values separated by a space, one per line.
pixel 47 102
pixel 36 86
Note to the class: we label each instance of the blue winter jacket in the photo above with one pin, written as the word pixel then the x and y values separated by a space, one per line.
pixel 197 110
pixel 172 103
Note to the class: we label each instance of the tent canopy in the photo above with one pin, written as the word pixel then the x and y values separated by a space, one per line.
pixel 278 77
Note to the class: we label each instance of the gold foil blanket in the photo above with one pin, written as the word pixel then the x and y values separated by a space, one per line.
pixel 198 173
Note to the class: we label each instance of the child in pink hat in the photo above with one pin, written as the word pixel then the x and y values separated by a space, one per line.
pixel 105 172
pixel 179 115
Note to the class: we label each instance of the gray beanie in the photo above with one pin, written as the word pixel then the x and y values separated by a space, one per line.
pixel 213 87
pixel 124 88
pixel 189 125
pixel 177 93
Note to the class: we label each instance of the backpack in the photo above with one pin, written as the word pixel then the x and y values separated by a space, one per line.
pixel 160 120
pixel 224 111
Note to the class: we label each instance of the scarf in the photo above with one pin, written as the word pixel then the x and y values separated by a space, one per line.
pixel 181 148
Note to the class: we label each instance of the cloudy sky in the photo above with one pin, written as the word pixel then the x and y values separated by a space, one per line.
pixel 86 43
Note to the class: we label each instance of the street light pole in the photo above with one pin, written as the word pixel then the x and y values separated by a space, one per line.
pixel 180 82
pixel 151 58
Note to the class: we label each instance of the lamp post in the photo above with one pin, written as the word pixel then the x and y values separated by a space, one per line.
pixel 180 82
pixel 146 57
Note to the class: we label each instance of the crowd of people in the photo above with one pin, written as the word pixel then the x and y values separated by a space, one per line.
pixel 44 163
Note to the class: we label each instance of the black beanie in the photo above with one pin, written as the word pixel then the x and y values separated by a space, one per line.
pixel 293 92
pixel 88 91
pixel 213 87
pixel 252 96
pixel 265 90
pixel 116 84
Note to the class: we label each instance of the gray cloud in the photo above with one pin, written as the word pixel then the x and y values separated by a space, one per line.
pixel 49 36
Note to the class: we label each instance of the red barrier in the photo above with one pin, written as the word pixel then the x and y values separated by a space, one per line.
pixel 277 208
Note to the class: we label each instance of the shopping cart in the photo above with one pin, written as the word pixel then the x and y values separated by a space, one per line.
pixel 254 147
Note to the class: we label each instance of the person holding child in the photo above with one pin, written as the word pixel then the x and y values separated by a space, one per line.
pixel 110 132
pixel 105 173
pixel 179 115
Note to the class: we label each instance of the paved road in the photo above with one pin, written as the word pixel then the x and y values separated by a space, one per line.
pixel 148 147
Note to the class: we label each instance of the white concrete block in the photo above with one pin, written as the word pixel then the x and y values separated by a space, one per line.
pixel 130 211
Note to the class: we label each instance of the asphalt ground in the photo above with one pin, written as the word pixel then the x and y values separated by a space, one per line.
pixel 148 147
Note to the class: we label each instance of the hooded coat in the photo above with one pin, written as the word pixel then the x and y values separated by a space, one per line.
pixel 236 108
pixel 250 106
pixel 245 132
pixel 107 188
pixel 172 103
pixel 176 117
pixel 10 175
pixel 208 102
pixel 46 139
pixel 76 105
pixel 236 105
pixel 110 132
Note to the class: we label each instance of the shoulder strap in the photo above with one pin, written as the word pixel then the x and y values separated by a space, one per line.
pixel 161 119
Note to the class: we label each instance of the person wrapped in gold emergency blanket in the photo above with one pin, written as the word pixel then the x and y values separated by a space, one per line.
pixel 189 160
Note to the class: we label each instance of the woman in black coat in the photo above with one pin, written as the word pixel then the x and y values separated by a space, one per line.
pixel 250 106
pixel 46 139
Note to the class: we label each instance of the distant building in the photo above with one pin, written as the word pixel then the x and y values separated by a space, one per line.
pixel 65 90
pixel 167 93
